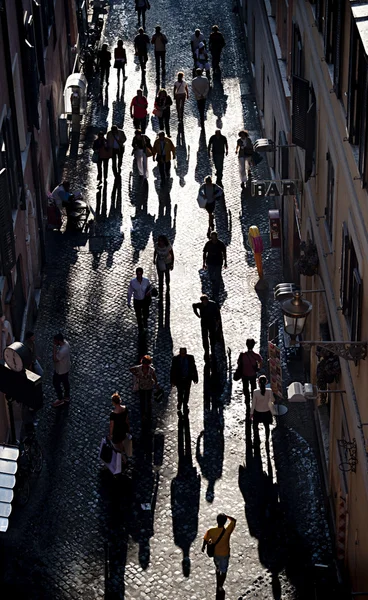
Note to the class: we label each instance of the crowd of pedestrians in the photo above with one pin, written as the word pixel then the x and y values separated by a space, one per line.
pixel 141 290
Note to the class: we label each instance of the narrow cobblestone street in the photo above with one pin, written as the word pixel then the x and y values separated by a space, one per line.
pixel 54 548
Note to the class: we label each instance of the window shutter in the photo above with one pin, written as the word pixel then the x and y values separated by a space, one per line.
pixel 300 110
pixel 38 32
pixel 310 141
pixel 33 91
pixel 337 49
pixel 356 315
pixel 7 243
pixel 363 136
pixel 327 24
pixel 284 156
pixel 345 249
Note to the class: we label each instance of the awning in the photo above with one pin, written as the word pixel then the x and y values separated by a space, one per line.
pixel 8 468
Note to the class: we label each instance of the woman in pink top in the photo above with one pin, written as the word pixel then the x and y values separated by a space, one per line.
pixel 260 411
pixel 249 363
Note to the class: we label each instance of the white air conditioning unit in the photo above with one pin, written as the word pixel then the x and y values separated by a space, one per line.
pixel 297 392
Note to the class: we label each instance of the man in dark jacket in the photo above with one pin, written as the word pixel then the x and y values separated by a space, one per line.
pixel 183 372
pixel 140 46
pixel 218 144
pixel 216 45
pixel 104 60
pixel 209 313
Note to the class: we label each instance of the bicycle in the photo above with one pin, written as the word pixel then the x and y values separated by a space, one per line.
pixel 30 462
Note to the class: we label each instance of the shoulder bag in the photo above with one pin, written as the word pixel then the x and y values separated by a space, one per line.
pixel 238 372
pixel 211 547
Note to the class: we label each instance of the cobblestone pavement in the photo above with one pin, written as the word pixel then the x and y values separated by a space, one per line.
pixel 55 546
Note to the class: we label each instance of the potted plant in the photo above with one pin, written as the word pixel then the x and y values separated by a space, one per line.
pixel 308 261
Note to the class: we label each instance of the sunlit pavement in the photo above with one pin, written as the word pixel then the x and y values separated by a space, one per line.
pixel 55 546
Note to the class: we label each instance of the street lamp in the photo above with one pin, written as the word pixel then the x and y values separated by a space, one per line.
pixel 295 311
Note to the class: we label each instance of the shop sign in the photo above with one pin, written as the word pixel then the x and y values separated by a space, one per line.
pixel 274 187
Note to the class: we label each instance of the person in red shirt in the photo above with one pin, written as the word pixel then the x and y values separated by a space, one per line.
pixel 249 363
pixel 138 111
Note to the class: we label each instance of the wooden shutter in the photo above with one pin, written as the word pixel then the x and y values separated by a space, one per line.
pixel 363 133
pixel 356 308
pixel 32 81
pixel 344 271
pixel 300 110
pixel 38 32
pixel 7 243
pixel 352 85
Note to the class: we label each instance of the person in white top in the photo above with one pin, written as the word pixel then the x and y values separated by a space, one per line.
pixel 201 87
pixel 62 364
pixel 140 289
pixel 195 40
pixel 260 411
pixel 181 94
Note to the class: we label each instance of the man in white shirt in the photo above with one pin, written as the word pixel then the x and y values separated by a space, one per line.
pixel 62 364
pixel 139 288
pixel 201 87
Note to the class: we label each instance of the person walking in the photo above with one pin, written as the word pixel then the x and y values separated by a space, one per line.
pixel 163 258
pixel 183 372
pixel 195 40
pixel 164 150
pixel 214 257
pixel 120 59
pixel 209 192
pixel 104 61
pixel 30 342
pixel 102 148
pixel 142 149
pixel 218 538
pixel 145 382
pixel 140 289
pixel 260 411
pixel 161 110
pixel 141 6
pixel 116 139
pixel 202 60
pixel 119 432
pixel 181 93
pixel 159 41
pixel 201 87
pixel 249 362
pixel 140 46
pixel 244 150
pixel 138 111
pixel 62 365
pixel 209 313
pixel 216 45
pixel 219 147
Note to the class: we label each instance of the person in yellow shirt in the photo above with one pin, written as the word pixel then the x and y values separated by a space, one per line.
pixel 220 537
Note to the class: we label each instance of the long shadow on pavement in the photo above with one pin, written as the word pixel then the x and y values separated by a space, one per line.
pixel 185 491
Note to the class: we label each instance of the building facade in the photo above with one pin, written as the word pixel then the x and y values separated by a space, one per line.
pixel 310 70
pixel 36 56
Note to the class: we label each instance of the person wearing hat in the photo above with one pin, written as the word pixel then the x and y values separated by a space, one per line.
pixel 116 139
pixel 201 59
pixel 159 41
pixel 216 44
pixel 195 40
pixel 201 87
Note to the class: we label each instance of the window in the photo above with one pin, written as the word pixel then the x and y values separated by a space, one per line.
pixel 297 53
pixel 329 210
pixel 7 244
pixel 10 162
pixel 311 129
pixel 38 37
pixel 299 111
pixel 351 286
pixel 357 113
pixel 31 75
pixel 282 27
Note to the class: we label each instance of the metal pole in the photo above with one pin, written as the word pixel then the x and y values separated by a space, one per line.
pixel 12 422
pixel 107 568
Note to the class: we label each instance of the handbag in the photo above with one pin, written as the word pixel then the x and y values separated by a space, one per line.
pixel 106 451
pixel 211 547
pixel 238 371
pixel 202 201
pixel 95 156
pixel 148 152
pixel 157 112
